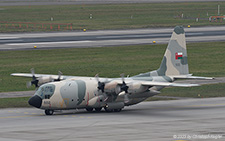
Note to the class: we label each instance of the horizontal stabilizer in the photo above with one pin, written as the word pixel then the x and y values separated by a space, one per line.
pixel 189 76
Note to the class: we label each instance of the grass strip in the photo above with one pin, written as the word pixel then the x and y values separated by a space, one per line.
pixel 14 102
pixel 205 59
pixel 110 16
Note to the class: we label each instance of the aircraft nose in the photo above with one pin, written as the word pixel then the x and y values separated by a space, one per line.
pixel 35 101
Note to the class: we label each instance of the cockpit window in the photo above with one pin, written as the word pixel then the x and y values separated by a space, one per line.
pixel 46 91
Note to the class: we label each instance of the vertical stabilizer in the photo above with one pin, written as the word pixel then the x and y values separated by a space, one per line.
pixel 174 62
pixel 175 58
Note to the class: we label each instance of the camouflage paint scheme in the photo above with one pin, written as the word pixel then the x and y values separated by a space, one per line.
pixel 82 92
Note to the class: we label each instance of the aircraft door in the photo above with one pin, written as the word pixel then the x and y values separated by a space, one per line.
pixel 73 93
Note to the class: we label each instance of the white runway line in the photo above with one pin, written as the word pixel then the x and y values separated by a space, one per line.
pixel 44 43
pixel 3 38
pixel 131 36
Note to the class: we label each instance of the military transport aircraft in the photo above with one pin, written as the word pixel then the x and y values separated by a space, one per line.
pixel 60 92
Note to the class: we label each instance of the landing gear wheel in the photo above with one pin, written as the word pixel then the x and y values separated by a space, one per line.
pixel 117 110
pixel 98 109
pixel 108 110
pixel 89 109
pixel 49 112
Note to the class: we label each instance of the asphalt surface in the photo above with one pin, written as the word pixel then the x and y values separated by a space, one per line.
pixel 78 2
pixel 105 38
pixel 191 119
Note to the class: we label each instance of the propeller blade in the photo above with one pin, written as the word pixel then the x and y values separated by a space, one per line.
pixel 122 76
pixel 29 84
pixel 33 73
pixel 59 76
pixel 124 86
pixel 101 85
pixel 96 77
pixel 126 98
pixel 34 81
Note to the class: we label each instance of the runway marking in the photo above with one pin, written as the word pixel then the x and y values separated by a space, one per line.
pixel 44 43
pixel 2 41
pixel 131 36
pixel 17 116
pixel 3 38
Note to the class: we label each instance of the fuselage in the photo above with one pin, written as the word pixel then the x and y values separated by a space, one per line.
pixel 83 92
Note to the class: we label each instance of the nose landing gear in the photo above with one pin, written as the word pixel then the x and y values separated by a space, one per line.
pixel 49 112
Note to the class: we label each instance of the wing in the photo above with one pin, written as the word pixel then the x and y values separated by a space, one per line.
pixel 167 84
pixel 39 75
pixel 154 83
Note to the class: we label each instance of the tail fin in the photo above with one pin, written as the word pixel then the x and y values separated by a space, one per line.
pixel 175 58
pixel 174 62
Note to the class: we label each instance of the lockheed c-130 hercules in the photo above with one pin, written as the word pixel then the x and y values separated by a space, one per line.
pixel 60 92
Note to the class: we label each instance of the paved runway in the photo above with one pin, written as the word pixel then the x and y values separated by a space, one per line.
pixel 190 119
pixel 78 2
pixel 105 38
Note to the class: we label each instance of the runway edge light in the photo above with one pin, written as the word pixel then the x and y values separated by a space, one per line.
pixel 35 46
pixel 189 26
pixel 153 42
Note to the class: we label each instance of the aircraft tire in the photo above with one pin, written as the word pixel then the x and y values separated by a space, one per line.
pixel 89 109
pixel 98 109
pixel 49 112
pixel 117 110
pixel 108 110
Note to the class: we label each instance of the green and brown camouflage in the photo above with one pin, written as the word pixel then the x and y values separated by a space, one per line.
pixel 113 94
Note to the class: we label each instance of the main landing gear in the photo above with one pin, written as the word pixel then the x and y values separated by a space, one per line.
pixel 112 110
pixel 89 109
pixel 49 112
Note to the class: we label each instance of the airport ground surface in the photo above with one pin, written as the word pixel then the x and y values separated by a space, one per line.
pixel 173 120
pixel 78 2
pixel 104 38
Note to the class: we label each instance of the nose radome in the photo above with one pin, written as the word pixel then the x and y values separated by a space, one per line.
pixel 35 101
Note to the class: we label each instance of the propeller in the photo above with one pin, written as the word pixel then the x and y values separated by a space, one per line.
pixel 41 80
pixel 124 86
pixel 101 85
pixel 59 76
pixel 34 79
pixel 124 89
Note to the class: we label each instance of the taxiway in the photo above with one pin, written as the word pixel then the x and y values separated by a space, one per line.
pixel 105 38
pixel 159 120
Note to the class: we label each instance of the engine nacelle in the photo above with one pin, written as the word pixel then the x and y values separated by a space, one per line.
pixel 136 88
pixel 43 80
pixel 112 87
